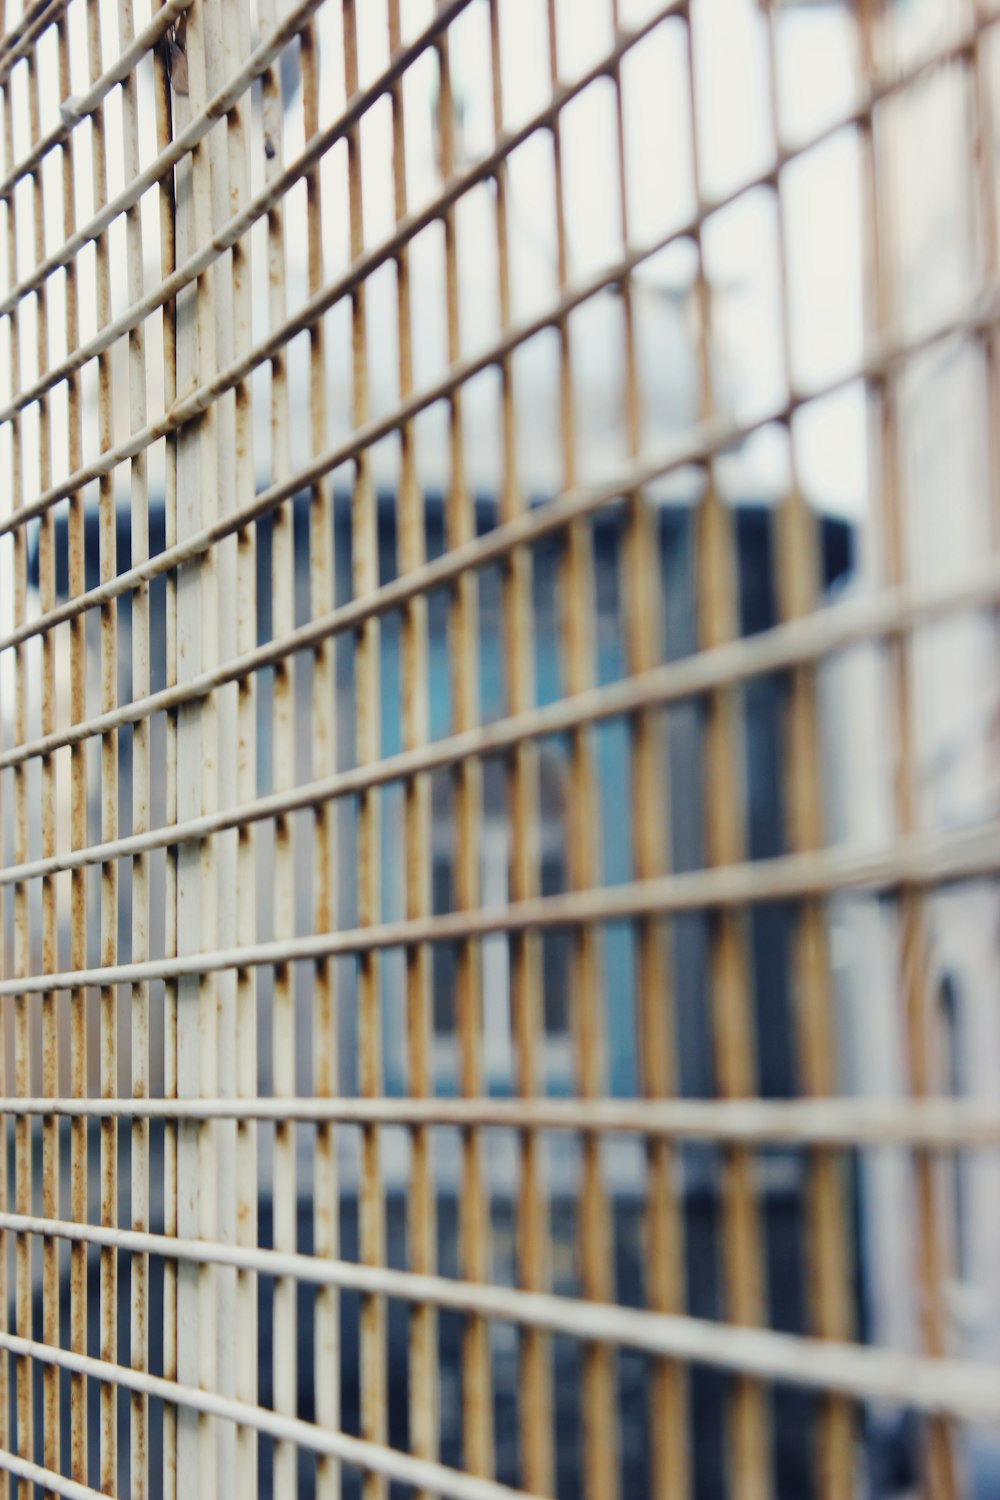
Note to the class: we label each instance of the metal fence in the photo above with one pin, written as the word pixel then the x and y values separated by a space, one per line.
pixel 498 794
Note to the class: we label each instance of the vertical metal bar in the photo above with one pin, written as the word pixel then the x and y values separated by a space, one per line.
pixel 984 209
pixel 197 791
pixel 140 650
pixel 6 1364
pixel 326 1210
pixel 109 788
pixel 798 596
pixel 479 1456
pixel 202 39
pixel 670 1473
pixel 222 51
pixel 729 978
pixel 940 1478
pixel 536 1394
pixel 364 536
pixel 164 129
pixel 423 1373
pixel 601 1466
pixel 78 808
pixel 22 955
pixel 983 127
pixel 282 621
pixel 730 996
pixel 50 933
pixel 241 1068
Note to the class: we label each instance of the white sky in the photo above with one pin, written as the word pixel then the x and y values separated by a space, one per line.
pixel 817 81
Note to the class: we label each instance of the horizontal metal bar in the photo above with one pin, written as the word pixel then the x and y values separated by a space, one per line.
pixel 421 1474
pixel 944 1124
pixel 47 1479
pixel 808 640
pixel 74 111
pixel 920 861
pixel 952 1387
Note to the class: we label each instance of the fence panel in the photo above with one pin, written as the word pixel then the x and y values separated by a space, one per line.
pixel 499 587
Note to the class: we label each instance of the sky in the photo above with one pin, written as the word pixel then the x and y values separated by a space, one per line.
pixel 818 78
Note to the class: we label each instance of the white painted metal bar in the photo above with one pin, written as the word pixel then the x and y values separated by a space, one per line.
pixel 323 708
pixel 139 1047
pixel 827 1207
pixel 198 771
pixel 933 1386
pixel 50 927
pixel 372 1354
pixel 163 121
pixel 21 1439
pixel 238 1332
pixel 225 39
pixel 284 1333
pixel 943 1123
pixel 78 810
pixel 478 1443
pixel 928 860
pixel 656 1019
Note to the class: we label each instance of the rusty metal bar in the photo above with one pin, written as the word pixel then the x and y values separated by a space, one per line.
pixel 163 121
pixel 108 1447
pixel 411 524
pixel 238 1043
pixel 798 541
pixel 50 931
pixel 139 1289
pixel 365 567
pixel 941 1122
pixel 536 1395
pixel 656 1019
pixel 467 819
pixel 23 1435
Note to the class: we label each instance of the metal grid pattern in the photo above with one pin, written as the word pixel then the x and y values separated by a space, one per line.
pixel 407 1007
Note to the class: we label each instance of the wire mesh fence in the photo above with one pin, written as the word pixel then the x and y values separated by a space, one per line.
pixel 498 740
